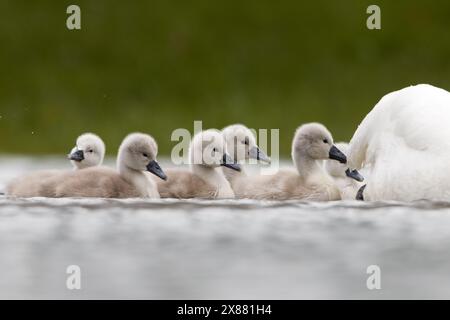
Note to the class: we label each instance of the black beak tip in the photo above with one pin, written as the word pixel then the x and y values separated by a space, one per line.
pixel 256 153
pixel 229 163
pixel 154 168
pixel 234 166
pixel 354 174
pixel 360 193
pixel 336 154
pixel 76 156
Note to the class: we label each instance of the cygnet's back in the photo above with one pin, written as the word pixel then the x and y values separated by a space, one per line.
pixel 35 184
pixel 284 185
pixel 183 184
pixel 98 182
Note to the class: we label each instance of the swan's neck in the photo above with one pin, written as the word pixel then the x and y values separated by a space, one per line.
pixel 312 172
pixel 145 186
pixel 308 167
pixel 214 177
pixel 231 175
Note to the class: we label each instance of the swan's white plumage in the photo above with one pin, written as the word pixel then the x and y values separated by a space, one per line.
pixel 403 144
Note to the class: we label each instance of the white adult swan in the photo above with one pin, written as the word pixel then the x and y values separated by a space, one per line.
pixel 89 151
pixel 137 154
pixel 311 144
pixel 404 146
pixel 241 146
pixel 207 152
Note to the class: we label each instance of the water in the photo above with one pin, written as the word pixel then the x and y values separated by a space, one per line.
pixel 170 249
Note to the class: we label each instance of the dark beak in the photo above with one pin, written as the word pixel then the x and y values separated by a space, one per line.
pixel 77 156
pixel 337 154
pixel 354 174
pixel 229 163
pixel 154 168
pixel 258 154
pixel 360 193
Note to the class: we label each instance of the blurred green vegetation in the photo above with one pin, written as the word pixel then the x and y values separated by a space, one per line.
pixel 154 66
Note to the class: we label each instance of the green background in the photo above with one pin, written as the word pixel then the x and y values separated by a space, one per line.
pixel 154 66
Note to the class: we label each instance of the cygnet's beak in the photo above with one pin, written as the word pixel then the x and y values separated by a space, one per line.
pixel 77 156
pixel 229 163
pixel 258 154
pixel 354 174
pixel 360 193
pixel 337 154
pixel 154 168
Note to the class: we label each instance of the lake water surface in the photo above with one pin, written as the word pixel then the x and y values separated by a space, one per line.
pixel 191 249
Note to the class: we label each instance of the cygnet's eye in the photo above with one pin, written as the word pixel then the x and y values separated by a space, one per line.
pixel 145 155
pixel 325 140
pixel 214 150
pixel 91 151
pixel 245 141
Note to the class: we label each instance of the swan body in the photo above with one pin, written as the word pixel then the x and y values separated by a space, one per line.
pixel 184 184
pixel 137 154
pixel 207 152
pixel 33 184
pixel 311 145
pixel 404 146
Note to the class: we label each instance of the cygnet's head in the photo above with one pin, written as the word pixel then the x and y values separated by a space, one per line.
pixel 208 148
pixel 88 152
pixel 334 168
pixel 138 152
pixel 315 141
pixel 241 144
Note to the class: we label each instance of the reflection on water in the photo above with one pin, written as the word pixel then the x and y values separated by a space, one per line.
pixel 220 249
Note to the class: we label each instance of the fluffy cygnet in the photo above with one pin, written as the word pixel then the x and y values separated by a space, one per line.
pixel 89 151
pixel 241 145
pixel 207 152
pixel 311 145
pixel 137 154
